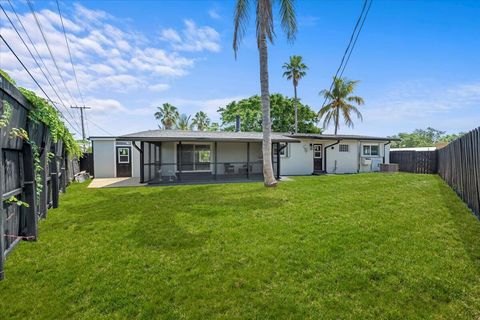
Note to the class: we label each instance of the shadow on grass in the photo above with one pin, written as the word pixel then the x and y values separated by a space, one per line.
pixel 468 226
pixel 154 212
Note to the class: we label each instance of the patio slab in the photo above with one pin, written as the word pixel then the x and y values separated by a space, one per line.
pixel 115 183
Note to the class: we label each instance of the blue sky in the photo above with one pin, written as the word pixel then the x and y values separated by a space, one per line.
pixel 417 60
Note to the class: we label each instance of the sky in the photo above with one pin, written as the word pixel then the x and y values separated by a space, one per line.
pixel 417 61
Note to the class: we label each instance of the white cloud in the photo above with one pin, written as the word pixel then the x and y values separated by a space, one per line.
pixel 159 87
pixel 214 14
pixel 192 38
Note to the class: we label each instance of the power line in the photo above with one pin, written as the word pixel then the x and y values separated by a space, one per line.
pixel 32 55
pixel 96 125
pixel 35 80
pixel 70 55
pixel 81 117
pixel 349 49
pixel 35 48
pixel 32 9
pixel 356 37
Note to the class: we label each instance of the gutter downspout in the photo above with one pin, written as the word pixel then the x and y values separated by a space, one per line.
pixel 384 145
pixel 279 149
pixel 325 153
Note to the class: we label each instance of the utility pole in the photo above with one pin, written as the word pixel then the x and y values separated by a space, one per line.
pixel 81 118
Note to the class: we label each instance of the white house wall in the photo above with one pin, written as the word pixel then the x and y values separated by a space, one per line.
pixel 104 158
pixel 299 159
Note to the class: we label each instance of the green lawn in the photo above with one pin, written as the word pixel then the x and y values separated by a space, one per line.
pixel 364 246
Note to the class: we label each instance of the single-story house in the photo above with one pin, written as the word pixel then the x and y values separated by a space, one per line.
pixel 170 156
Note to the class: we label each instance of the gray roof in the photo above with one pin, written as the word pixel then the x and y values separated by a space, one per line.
pixel 180 135
pixel 339 137
pixel 183 135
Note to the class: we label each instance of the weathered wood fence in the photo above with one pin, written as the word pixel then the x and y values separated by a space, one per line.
pixel 458 163
pixel 415 161
pixel 17 173
pixel 86 163
pixel 459 166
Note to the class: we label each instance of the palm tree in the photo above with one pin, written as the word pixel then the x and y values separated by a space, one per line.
pixel 264 32
pixel 295 70
pixel 340 103
pixel 201 121
pixel 167 114
pixel 183 122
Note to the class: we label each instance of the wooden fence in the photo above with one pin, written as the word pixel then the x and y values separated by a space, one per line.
pixel 415 161
pixel 459 166
pixel 17 173
pixel 86 163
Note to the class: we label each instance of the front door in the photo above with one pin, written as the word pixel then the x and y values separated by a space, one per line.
pixel 317 158
pixel 124 161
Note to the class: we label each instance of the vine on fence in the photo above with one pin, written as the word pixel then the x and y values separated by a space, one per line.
pixel 6 114
pixel 44 113
pixel 19 203
pixel 22 134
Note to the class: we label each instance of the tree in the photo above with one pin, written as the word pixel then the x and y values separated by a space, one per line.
pixel 168 115
pixel 264 32
pixel 282 114
pixel 183 122
pixel 214 127
pixel 295 70
pixel 429 137
pixel 201 121
pixel 340 102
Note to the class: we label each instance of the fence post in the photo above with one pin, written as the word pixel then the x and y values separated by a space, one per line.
pixel 2 232
pixel 54 181
pixel 29 192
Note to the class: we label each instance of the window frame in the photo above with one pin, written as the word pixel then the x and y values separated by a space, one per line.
pixel 119 156
pixel 343 145
pixel 370 145
pixel 194 162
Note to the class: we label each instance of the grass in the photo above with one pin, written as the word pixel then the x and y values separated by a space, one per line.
pixel 364 246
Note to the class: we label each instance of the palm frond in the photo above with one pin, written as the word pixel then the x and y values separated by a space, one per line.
pixel 358 100
pixel 289 21
pixel 240 23
pixel 264 21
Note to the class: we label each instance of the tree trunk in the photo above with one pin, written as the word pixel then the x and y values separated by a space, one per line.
pixel 336 119
pixel 268 176
pixel 295 107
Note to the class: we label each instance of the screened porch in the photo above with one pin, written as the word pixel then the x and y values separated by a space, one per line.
pixel 172 162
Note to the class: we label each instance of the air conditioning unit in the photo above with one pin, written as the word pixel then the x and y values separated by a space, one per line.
pixel 366 161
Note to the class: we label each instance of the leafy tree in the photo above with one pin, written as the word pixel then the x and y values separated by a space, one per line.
pixel 183 122
pixel 214 127
pixel 168 115
pixel 264 32
pixel 295 70
pixel 201 121
pixel 282 113
pixel 423 138
pixel 341 100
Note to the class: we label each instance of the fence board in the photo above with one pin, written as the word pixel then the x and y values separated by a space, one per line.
pixel 459 166
pixel 415 161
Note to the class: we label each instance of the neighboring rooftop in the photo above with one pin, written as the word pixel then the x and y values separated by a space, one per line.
pixel 184 135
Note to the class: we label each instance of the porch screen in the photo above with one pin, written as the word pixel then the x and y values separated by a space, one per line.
pixel 194 157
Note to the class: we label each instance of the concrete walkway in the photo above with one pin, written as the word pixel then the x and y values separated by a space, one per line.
pixel 115 182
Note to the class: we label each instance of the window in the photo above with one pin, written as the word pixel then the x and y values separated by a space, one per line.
pixel 194 157
pixel 283 152
pixel 343 148
pixel 371 150
pixel 317 151
pixel 123 155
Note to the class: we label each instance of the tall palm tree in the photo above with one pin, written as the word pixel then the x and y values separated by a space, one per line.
pixel 168 115
pixel 341 100
pixel 183 122
pixel 201 121
pixel 295 70
pixel 264 32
